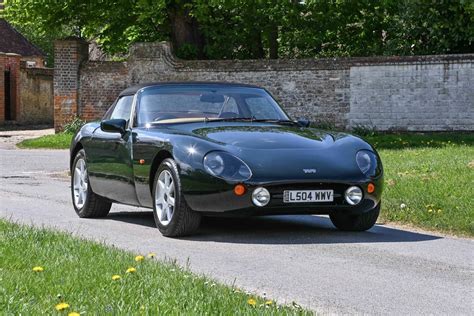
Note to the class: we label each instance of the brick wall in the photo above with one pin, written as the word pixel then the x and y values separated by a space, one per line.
pixel 31 91
pixel 101 82
pixel 69 54
pixel 10 63
pixel 423 93
pixel 2 85
pixel 36 101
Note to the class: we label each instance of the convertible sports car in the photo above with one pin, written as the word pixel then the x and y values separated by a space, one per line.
pixel 193 149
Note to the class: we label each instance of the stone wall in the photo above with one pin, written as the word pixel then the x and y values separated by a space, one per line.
pixel 419 93
pixel 426 96
pixel 36 98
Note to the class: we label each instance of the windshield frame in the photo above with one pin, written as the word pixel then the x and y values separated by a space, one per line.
pixel 205 88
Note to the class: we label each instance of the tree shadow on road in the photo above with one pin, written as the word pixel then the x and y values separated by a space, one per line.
pixel 287 229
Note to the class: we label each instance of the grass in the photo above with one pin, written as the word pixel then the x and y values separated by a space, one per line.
pixel 79 273
pixel 429 180
pixel 55 141
pixel 429 177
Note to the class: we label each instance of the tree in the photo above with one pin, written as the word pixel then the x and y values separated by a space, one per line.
pixel 243 29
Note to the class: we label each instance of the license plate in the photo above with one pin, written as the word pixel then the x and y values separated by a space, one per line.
pixel 308 196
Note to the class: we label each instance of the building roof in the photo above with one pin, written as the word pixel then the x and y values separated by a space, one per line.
pixel 133 89
pixel 12 41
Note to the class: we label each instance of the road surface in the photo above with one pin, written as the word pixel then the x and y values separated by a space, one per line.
pixel 289 258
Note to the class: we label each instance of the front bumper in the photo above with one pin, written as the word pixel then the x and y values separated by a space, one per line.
pixel 225 202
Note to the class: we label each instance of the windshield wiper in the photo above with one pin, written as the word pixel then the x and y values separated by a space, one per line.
pixel 290 122
pixel 251 119
pixel 230 119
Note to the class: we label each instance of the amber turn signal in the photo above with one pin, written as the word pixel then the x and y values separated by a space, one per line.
pixel 239 189
pixel 371 188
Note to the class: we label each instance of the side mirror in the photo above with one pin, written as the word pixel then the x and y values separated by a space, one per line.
pixel 114 126
pixel 303 122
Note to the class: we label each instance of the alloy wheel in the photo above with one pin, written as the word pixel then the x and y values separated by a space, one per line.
pixel 80 184
pixel 165 197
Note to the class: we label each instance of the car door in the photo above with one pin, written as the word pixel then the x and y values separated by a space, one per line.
pixel 110 158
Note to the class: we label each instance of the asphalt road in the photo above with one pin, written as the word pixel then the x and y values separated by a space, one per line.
pixel 290 258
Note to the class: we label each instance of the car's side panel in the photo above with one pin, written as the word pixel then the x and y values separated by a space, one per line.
pixel 152 146
pixel 145 149
pixel 110 167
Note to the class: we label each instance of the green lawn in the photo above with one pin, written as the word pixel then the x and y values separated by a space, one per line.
pixel 55 141
pixel 79 273
pixel 429 184
pixel 429 178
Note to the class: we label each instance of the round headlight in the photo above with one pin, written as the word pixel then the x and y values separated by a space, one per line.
pixel 226 166
pixel 367 162
pixel 214 164
pixel 353 195
pixel 260 196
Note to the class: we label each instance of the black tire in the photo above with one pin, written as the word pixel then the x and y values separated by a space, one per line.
pixel 184 221
pixel 94 206
pixel 356 222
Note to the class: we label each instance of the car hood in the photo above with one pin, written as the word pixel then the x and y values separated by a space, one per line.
pixel 267 137
pixel 280 152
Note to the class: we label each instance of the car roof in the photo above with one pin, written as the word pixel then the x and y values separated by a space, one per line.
pixel 133 89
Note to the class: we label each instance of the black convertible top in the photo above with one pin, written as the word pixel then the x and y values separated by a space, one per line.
pixel 133 89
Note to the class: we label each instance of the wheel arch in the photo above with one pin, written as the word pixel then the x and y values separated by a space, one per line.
pixel 74 152
pixel 159 157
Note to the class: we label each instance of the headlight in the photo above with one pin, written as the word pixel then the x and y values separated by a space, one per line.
pixel 367 162
pixel 226 166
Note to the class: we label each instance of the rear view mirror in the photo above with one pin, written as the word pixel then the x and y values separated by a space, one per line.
pixel 114 126
pixel 212 98
pixel 304 122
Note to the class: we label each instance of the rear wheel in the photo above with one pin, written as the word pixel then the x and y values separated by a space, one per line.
pixel 173 217
pixel 356 222
pixel 86 202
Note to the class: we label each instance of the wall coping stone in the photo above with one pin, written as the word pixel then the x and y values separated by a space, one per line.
pixel 162 50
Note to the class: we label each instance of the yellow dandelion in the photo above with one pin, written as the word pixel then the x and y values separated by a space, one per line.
pixel 73 314
pixel 151 255
pixel 269 302
pixel 116 277
pixel 139 258
pixel 62 306
pixel 251 302
pixel 131 270
pixel 38 269
pixel 430 210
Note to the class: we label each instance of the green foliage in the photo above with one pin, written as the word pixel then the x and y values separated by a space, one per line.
pixel 364 130
pixel 242 29
pixel 324 125
pixel 73 126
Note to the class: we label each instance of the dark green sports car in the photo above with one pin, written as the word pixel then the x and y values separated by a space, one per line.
pixel 193 149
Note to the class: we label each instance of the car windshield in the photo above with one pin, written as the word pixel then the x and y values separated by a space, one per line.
pixel 178 104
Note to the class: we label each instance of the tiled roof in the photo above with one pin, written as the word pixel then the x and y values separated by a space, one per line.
pixel 11 41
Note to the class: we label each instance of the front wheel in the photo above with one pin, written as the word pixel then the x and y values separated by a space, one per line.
pixel 86 202
pixel 173 217
pixel 356 222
